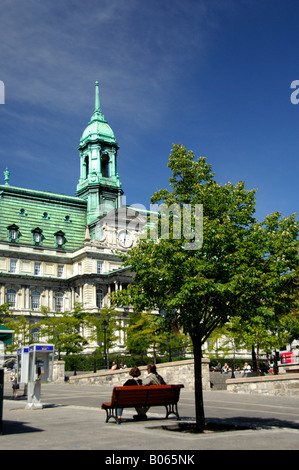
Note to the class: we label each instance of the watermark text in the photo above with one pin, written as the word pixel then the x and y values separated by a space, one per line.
pixel 161 222
pixel 2 92
pixel 295 95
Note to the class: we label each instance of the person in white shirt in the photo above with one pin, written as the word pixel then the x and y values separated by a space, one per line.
pixel 246 368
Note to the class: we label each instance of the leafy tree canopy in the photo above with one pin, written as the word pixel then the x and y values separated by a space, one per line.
pixel 240 265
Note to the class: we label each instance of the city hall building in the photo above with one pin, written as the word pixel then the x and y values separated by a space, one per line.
pixel 56 250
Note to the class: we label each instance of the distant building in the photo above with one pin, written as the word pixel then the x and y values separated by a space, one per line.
pixel 55 249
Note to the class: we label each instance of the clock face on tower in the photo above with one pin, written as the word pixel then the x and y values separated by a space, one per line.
pixel 125 238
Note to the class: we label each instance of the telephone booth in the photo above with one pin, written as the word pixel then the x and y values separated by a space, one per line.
pixel 23 364
pixel 40 359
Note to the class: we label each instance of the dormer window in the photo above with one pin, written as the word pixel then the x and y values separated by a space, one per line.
pixel 46 215
pixel 23 212
pixel 67 218
pixel 60 239
pixel 13 231
pixel 13 235
pixel 37 236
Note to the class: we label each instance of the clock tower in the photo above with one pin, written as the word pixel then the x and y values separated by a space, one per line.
pixel 99 182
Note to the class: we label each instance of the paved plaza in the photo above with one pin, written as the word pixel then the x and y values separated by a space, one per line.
pixel 71 419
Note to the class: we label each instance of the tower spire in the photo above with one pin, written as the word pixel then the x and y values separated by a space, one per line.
pixel 6 176
pixel 97 98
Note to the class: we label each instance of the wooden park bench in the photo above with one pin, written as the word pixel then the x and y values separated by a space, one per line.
pixel 143 396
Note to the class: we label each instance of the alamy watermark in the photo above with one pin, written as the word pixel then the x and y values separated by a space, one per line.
pixel 160 222
pixel 176 222
pixel 294 96
pixel 2 92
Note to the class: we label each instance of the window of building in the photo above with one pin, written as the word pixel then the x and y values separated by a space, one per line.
pixel 37 269
pixel 13 266
pixel 13 231
pixel 100 298
pixel 23 212
pixel 46 215
pixel 105 165
pixel 59 302
pixel 37 236
pixel 35 335
pixel 35 300
pixel 11 297
pixel 86 164
pixel 99 267
pixel 60 239
pixel 60 270
pixel 79 268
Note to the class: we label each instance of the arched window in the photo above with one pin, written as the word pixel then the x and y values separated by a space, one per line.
pixel 35 300
pixel 11 297
pixel 35 334
pixel 37 236
pixel 13 233
pixel 86 162
pixel 100 298
pixel 60 239
pixel 105 165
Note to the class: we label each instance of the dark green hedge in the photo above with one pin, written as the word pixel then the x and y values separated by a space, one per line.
pixel 93 362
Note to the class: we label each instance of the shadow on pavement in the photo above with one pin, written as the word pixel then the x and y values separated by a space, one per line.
pixel 17 427
pixel 232 424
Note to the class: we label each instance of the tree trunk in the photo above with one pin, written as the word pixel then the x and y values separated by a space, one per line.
pixel 258 359
pixel 199 407
pixel 253 356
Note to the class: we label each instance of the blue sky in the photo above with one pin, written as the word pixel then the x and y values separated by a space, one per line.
pixel 213 75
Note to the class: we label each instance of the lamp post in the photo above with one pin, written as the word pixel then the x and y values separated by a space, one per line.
pixel 234 363
pixel 105 326
pixel 275 362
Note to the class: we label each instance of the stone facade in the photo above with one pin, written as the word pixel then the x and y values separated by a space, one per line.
pixel 275 385
pixel 180 372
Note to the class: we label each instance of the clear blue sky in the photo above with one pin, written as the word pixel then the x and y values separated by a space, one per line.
pixel 213 75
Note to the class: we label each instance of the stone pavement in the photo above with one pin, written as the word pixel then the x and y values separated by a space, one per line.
pixel 72 420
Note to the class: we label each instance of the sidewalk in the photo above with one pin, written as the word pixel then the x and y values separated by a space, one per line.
pixel 72 420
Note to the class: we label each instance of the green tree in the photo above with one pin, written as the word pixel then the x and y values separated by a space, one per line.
pixel 142 333
pixel 239 266
pixel 95 321
pixel 64 329
pixel 19 324
pixel 264 331
pixel 4 313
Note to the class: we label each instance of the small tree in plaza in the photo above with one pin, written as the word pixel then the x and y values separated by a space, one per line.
pixel 263 333
pixel 107 338
pixel 64 329
pixel 146 332
pixel 240 265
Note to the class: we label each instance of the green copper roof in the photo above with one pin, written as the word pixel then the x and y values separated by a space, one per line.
pixel 98 129
pixel 49 212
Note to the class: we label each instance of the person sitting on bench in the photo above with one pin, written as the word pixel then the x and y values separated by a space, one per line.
pixel 153 378
pixel 134 373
